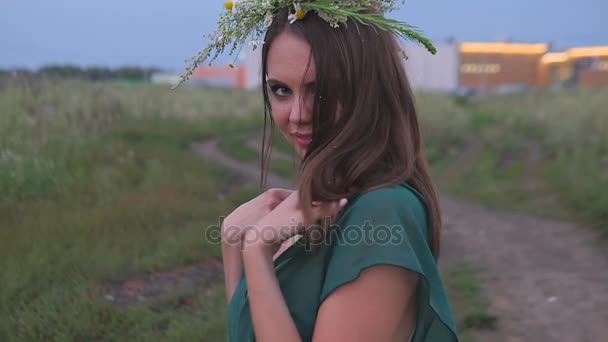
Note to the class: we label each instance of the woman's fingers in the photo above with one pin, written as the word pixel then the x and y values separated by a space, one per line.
pixel 280 194
pixel 276 196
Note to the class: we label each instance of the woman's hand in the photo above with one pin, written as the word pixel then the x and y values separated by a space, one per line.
pixel 271 318
pixel 249 213
pixel 287 220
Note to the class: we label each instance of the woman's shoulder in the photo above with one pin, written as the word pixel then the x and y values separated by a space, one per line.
pixel 388 226
pixel 401 191
pixel 398 198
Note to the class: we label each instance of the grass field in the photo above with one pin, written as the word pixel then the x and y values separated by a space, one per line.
pixel 97 185
pixel 539 152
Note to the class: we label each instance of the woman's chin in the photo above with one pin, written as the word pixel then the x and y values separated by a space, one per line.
pixel 300 150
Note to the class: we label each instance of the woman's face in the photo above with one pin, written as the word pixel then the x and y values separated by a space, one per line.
pixel 291 77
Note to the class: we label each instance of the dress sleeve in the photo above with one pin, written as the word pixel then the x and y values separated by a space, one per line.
pixel 389 227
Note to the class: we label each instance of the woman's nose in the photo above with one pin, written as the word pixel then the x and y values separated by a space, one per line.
pixel 300 111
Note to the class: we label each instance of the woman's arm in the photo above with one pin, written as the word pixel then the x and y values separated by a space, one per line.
pixel 233 266
pixel 269 312
pixel 378 306
pixel 232 230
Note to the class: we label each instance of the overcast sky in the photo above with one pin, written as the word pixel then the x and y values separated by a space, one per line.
pixel 166 33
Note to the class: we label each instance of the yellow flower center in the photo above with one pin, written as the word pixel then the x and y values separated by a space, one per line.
pixel 300 14
pixel 229 5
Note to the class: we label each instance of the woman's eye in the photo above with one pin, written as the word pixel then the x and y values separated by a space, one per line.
pixel 280 91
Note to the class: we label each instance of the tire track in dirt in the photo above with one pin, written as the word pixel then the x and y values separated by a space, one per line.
pixel 546 280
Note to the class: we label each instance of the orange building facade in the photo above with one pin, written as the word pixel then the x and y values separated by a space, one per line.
pixel 487 66
pixel 236 75
pixel 586 67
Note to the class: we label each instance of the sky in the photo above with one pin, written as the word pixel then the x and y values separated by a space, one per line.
pixel 164 34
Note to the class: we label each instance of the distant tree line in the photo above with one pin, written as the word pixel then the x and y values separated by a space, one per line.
pixel 93 73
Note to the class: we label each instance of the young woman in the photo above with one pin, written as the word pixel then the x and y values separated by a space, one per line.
pixel 340 96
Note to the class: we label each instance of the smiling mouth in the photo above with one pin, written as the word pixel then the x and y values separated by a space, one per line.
pixel 302 139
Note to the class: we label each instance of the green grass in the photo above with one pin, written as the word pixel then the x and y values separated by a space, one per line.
pixel 141 209
pixel 138 208
pixel 235 145
pixel 285 168
pixel 100 193
pixel 68 316
pixel 470 304
pixel 541 152
pixel 45 126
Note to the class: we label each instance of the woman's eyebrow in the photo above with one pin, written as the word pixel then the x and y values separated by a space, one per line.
pixel 274 82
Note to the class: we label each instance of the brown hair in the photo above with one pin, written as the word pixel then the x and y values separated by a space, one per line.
pixel 375 140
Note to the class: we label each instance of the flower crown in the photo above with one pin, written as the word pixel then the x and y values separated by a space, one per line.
pixel 248 19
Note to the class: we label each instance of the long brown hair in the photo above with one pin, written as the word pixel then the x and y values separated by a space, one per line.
pixel 365 132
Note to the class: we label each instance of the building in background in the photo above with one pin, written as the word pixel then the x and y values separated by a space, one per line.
pixel 234 76
pixel 491 66
pixel 253 65
pixel 164 78
pixel 585 67
pixel 213 76
pixel 432 73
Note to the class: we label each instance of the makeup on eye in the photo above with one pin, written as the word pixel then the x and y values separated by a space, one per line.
pixel 280 89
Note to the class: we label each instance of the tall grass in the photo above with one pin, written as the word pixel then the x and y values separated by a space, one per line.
pixel 545 150
pixel 97 185
pixel 45 125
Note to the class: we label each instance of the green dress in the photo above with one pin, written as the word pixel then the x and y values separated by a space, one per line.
pixel 382 226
